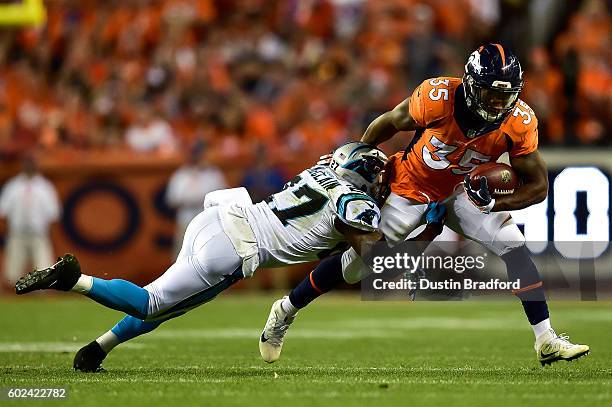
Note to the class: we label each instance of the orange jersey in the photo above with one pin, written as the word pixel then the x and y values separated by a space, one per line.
pixel 439 159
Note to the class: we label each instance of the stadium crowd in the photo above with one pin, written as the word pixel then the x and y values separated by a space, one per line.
pixel 281 76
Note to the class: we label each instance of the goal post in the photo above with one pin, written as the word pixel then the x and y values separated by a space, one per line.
pixel 22 13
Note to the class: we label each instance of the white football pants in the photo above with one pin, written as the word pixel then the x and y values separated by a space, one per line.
pixel 206 265
pixel 496 230
pixel 400 218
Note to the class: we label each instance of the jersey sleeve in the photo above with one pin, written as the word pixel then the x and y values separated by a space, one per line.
pixel 431 100
pixel 358 210
pixel 522 130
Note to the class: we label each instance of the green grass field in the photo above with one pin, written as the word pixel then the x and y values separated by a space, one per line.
pixel 339 352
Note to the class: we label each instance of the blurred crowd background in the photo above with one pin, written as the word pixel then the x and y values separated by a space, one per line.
pixel 127 91
pixel 273 77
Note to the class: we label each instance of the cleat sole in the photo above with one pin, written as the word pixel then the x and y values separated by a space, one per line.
pixel 577 356
pixel 31 281
pixel 62 276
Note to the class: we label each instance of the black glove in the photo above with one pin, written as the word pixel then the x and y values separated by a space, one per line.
pixel 480 197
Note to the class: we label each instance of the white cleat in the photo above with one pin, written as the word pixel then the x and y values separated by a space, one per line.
pixel 271 340
pixel 551 347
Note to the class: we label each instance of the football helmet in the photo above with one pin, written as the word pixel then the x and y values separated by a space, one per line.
pixel 359 164
pixel 492 82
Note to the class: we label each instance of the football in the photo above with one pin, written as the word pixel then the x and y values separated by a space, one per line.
pixel 501 178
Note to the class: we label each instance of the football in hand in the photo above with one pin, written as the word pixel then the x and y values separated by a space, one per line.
pixel 501 178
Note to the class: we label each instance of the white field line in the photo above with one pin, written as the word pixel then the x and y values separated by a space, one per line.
pixel 351 329
pixel 52 347
pixel 236 333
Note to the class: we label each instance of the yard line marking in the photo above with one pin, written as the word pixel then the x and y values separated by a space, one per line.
pixel 237 333
pixel 350 329
pixel 52 347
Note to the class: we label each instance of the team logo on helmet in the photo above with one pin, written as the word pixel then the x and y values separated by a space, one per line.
pixel 492 82
pixel 359 164
pixel 474 61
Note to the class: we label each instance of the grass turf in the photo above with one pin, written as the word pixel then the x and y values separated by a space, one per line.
pixel 339 351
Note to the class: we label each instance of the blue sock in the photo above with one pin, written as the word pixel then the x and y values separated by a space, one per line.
pixel 326 276
pixel 130 327
pixel 520 266
pixel 536 311
pixel 120 295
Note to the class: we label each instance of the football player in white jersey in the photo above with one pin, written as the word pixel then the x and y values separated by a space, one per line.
pixel 325 209
pixel 481 112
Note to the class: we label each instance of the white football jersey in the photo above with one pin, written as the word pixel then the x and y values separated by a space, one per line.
pixel 296 225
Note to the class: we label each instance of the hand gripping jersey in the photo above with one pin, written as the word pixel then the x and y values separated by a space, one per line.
pixel 296 225
pixel 441 154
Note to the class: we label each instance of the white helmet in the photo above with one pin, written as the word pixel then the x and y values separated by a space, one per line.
pixel 359 164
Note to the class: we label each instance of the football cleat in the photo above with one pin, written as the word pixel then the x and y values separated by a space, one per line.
pixel 89 358
pixel 551 347
pixel 271 340
pixel 62 276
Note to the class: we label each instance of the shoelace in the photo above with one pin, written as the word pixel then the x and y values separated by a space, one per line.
pixel 564 338
pixel 561 341
pixel 278 332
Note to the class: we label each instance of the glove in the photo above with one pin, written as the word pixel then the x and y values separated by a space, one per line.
pixel 480 197
pixel 435 214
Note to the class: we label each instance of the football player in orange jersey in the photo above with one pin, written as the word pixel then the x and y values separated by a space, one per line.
pixel 459 123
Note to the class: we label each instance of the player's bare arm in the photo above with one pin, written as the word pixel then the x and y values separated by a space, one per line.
pixel 358 239
pixel 531 169
pixel 389 123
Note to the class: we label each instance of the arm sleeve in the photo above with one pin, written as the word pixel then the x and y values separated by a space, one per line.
pixel 417 106
pixel 522 129
pixel 524 145
pixel 432 100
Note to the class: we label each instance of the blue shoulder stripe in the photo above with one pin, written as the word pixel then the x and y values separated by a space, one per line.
pixel 345 199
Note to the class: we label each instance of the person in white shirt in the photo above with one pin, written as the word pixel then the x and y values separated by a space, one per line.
pixel 150 133
pixel 29 204
pixel 187 188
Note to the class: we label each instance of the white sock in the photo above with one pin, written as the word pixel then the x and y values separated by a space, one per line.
pixel 83 285
pixel 108 341
pixel 288 307
pixel 541 327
